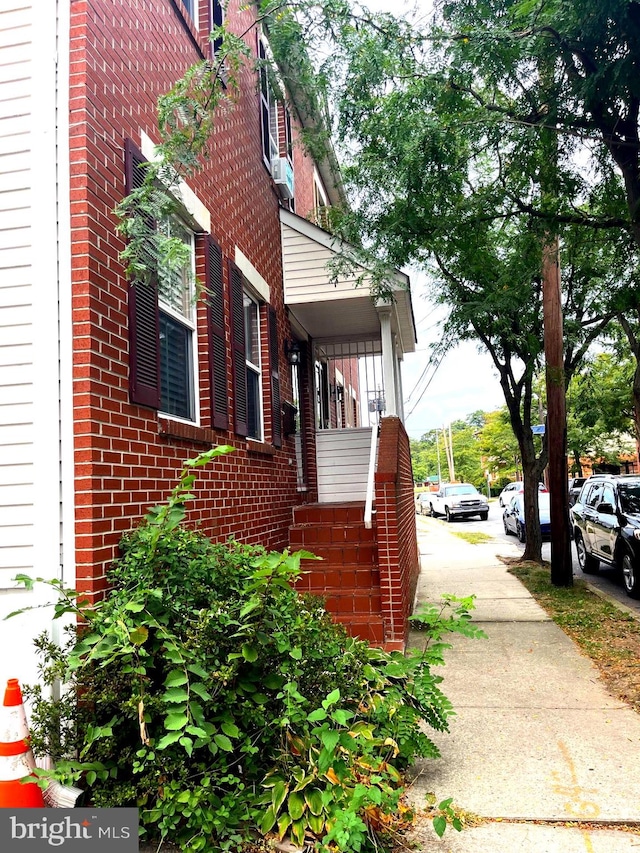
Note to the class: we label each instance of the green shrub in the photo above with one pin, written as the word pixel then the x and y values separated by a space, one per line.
pixel 221 703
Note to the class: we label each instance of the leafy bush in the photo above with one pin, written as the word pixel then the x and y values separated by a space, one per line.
pixel 205 691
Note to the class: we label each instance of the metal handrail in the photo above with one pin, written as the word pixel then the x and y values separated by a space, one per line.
pixel 373 455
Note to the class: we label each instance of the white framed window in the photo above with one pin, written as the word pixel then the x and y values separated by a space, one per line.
pixel 216 19
pixel 268 109
pixel 192 8
pixel 254 366
pixel 320 201
pixel 177 318
pixel 288 135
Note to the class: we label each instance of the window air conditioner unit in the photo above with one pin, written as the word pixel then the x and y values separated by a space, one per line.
pixel 282 172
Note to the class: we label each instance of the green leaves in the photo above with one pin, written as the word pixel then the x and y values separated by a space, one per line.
pixel 446 814
pixel 175 695
pixel 139 635
pixel 249 653
pixel 296 805
pixel 330 739
pixel 268 821
pixel 168 739
pixel 175 678
pixel 230 729
pixel 313 799
pixel 278 795
pixel 318 714
pixel 439 825
pixel 174 722
pixel 247 702
pixel 223 742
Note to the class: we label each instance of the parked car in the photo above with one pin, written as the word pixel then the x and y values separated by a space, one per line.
pixel 512 489
pixel 605 522
pixel 423 504
pixel 513 516
pixel 575 485
pixel 458 500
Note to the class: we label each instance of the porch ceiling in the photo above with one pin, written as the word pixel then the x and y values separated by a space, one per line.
pixel 341 310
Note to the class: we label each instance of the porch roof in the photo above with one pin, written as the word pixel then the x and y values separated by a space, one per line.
pixel 340 310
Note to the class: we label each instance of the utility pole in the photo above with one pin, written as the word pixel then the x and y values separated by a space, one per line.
pixel 561 565
pixel 448 448
pixel 453 470
pixel 556 429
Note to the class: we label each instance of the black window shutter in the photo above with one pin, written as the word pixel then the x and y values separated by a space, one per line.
pixel 238 351
pixel 144 328
pixel 276 405
pixel 217 342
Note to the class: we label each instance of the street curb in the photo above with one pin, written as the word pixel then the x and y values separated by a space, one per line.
pixel 614 601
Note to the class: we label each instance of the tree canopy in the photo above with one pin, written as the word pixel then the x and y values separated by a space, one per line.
pixel 467 138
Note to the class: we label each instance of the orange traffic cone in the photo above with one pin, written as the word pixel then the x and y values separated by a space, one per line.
pixel 16 758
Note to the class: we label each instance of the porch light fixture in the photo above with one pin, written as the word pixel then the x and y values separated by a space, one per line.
pixel 336 392
pixel 292 352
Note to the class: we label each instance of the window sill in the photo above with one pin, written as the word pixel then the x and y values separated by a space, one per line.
pixel 260 447
pixel 187 432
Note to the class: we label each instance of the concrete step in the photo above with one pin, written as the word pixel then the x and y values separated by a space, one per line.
pixel 350 512
pixel 318 577
pixel 369 628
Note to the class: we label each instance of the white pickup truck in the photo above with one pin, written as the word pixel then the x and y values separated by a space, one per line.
pixel 457 500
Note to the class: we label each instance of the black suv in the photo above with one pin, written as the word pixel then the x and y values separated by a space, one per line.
pixel 605 521
pixel 575 486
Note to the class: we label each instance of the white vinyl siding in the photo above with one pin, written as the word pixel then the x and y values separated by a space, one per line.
pixel 306 273
pixel 16 298
pixel 34 314
pixel 342 457
pixel 340 309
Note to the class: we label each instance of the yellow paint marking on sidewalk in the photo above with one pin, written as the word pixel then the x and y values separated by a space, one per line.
pixel 588 846
pixel 577 805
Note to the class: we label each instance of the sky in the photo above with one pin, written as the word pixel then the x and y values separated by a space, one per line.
pixel 465 381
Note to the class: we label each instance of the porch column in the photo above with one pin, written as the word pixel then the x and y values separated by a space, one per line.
pixel 388 357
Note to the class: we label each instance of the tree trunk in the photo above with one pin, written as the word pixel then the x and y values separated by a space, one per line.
pixel 636 401
pixel 634 346
pixel 577 462
pixel 533 544
pixel 532 465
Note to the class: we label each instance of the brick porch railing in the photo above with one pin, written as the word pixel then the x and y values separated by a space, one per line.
pixel 397 539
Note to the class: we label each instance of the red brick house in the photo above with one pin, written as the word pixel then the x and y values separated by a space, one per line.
pixel 108 390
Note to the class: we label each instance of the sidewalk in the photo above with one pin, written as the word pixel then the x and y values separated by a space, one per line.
pixel 536 737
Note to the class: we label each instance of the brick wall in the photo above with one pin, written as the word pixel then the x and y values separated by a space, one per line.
pixel 396 529
pixel 124 53
pixel 303 170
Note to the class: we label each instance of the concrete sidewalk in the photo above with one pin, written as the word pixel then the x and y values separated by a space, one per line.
pixel 536 737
